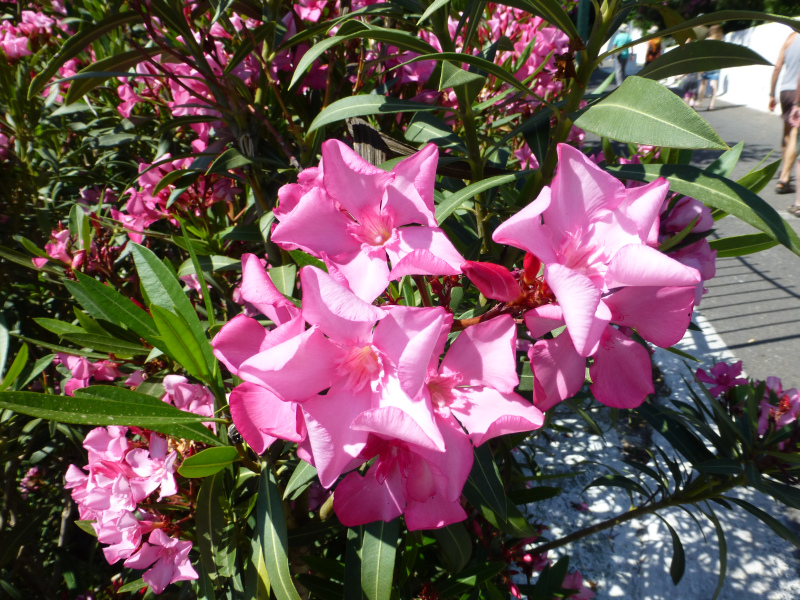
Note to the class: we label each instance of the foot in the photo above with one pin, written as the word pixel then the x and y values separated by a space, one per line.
pixel 784 187
pixel 794 210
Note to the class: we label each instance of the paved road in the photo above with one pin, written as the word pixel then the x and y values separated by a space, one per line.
pixel 754 302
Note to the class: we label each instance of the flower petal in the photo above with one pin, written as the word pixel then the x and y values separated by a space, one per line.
pixel 486 413
pixel 579 298
pixel 352 181
pixel 660 315
pixel 262 417
pixel 525 230
pixel 413 423
pixel 367 275
pixel 493 281
pixel 559 369
pixel 646 266
pixel 258 290
pixel 334 444
pixel 485 354
pixel 410 196
pixel 239 339
pixel 544 319
pixel 423 251
pixel 284 368
pixel 315 226
pixel 339 313
pixel 358 500
pixel 621 372
pixel 408 337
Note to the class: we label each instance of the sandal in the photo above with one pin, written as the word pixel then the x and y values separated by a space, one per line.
pixel 794 210
pixel 784 187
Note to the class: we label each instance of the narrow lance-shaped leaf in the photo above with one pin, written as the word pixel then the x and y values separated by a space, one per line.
pixel 180 343
pixel 15 369
pixel 706 55
pixel 109 405
pixel 717 192
pixel 208 461
pixel 678 565
pixel 272 533
pixel 76 44
pixel 740 245
pixel 450 204
pixel 209 519
pixel 378 550
pixel 642 111
pixel 115 64
pixel 360 106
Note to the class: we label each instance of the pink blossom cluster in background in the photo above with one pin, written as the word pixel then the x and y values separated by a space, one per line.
pixel 83 371
pixel 145 205
pixel 723 376
pixel 380 387
pixel 113 492
pixel 777 416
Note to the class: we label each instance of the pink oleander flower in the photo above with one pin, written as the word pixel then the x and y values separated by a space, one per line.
pixel 191 397
pixel 356 216
pixel 574 581
pixel 526 158
pixel 84 371
pixel 723 376
pixel 154 469
pixel 171 558
pixel 592 237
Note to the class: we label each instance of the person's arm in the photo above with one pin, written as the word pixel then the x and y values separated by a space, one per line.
pixel 776 71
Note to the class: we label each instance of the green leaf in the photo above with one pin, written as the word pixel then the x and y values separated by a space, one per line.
pixel 86 525
pixel 119 63
pixel 77 44
pixel 209 518
pixel 425 127
pixel 180 344
pixel 726 162
pixel 551 11
pixel 210 263
pixel 480 63
pixel 454 76
pixel 678 565
pixel 321 587
pixel 469 578
pixel 435 5
pixel 58 327
pixel 104 343
pixel 450 204
pixel 534 494
pixel 757 179
pixel 15 369
pixel 360 106
pixel 310 56
pixel 723 551
pixel 228 161
pixel 352 564
pixel 209 461
pixel 303 259
pixel 301 478
pixel 642 111
pixel 717 192
pixel 456 546
pixel 741 245
pixel 132 586
pixel 378 549
pixel 164 290
pixel 705 55
pixel 272 534
pixel 25 261
pixel 668 424
pixel 770 521
pixel 105 302
pixel 484 487
pixel 109 405
pixel 284 278
pixel 619 481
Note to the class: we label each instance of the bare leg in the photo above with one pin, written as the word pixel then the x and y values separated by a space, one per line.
pixel 714 85
pixel 789 152
pixel 795 208
pixel 701 94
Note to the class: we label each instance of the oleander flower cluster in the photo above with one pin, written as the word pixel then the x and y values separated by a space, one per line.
pixel 412 387
pixel 128 471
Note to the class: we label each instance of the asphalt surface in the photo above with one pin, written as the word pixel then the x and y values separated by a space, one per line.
pixel 754 301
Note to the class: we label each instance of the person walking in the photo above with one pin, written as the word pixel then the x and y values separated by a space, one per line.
pixel 621 58
pixel 710 78
pixel 653 47
pixel 788 62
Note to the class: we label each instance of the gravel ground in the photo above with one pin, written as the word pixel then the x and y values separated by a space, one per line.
pixel 632 560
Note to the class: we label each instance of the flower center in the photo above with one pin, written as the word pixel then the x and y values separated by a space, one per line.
pixel 361 365
pixel 441 388
pixel 372 229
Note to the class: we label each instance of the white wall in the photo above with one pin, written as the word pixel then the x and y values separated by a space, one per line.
pixel 749 86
